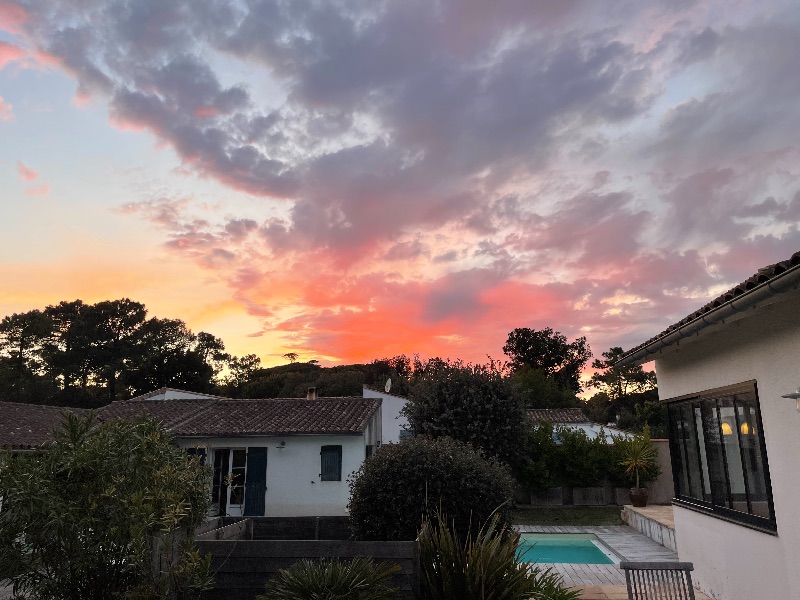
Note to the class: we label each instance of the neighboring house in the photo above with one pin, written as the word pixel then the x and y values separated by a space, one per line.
pixel 270 457
pixel 573 418
pixel 30 426
pixel 394 426
pixel 724 372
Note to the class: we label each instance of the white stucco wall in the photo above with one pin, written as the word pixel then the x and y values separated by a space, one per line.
pixel 392 422
pixel 294 488
pixel 731 561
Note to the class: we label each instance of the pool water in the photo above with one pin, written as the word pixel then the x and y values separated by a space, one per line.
pixel 575 548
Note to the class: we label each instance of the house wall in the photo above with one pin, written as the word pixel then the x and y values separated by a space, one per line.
pixel 392 422
pixel 733 562
pixel 294 488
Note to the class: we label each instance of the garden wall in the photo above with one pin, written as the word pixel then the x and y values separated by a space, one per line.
pixel 242 566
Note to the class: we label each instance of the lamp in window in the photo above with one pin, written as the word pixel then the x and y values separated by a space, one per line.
pixel 745 428
pixel 796 397
pixel 726 429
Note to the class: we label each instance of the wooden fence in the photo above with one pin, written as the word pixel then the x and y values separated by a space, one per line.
pixel 241 566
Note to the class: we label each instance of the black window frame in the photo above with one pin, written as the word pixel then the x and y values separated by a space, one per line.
pixel 330 471
pixel 714 497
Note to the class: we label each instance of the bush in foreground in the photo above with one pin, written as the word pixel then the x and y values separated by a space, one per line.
pixel 335 579
pixel 396 489
pixel 84 517
pixel 483 566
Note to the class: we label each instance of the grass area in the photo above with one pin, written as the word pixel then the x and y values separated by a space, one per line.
pixel 567 515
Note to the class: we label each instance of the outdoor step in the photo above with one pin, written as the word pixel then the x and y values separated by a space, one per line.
pixel 656 522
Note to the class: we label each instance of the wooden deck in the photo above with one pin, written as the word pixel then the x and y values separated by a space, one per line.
pixel 606 582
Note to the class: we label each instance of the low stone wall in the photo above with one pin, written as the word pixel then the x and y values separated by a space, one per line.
pixel 651 527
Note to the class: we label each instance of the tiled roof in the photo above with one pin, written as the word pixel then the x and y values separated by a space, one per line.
pixel 558 415
pixel 764 275
pixel 274 416
pixel 282 416
pixel 169 413
pixel 28 426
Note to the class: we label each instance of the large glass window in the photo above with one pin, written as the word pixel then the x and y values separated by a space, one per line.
pixel 719 460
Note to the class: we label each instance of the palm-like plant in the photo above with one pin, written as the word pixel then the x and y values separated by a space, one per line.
pixel 335 579
pixel 639 457
pixel 484 566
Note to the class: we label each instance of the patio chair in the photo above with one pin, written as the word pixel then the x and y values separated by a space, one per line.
pixel 658 580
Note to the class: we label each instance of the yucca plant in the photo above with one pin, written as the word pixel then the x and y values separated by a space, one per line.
pixel 334 579
pixel 483 566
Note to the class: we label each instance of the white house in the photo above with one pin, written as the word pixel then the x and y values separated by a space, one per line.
pixel 394 425
pixel 573 418
pixel 724 372
pixel 274 457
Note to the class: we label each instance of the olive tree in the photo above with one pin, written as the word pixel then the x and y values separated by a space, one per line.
pixel 105 511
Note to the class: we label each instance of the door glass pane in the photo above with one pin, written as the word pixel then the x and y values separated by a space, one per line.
pixel 701 442
pixel 693 468
pixel 733 455
pixel 751 450
pixel 238 462
pixel 677 444
pixel 712 432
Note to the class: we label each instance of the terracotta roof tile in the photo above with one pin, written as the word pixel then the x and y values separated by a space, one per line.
pixel 29 426
pixel 558 415
pixel 169 413
pixel 763 275
pixel 274 416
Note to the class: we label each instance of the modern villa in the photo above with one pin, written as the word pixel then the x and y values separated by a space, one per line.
pixel 729 374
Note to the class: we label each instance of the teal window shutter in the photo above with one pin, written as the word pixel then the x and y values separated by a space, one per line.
pixel 331 463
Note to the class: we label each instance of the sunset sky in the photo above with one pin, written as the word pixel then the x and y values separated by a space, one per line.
pixel 351 180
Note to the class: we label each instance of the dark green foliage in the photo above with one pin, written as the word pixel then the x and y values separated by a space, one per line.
pixel 484 565
pixel 620 381
pixel 395 489
pixel 82 519
pixel 549 352
pixel 334 579
pixel 471 403
pixel 539 469
pixel 537 390
pixel 582 462
pixel 87 355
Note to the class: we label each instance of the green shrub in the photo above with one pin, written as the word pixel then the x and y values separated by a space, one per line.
pixel 335 579
pixel 84 517
pixel 472 403
pixel 582 462
pixel 485 565
pixel 393 491
pixel 639 458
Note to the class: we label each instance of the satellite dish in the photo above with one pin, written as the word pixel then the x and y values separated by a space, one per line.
pixel 388 385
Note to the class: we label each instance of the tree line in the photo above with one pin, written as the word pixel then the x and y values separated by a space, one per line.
pixel 87 355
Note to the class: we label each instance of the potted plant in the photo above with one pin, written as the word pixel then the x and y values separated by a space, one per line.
pixel 639 458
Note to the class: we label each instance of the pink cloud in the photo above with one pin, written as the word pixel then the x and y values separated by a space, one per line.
pixel 26 173
pixel 38 190
pixel 9 53
pixel 12 16
pixel 6 110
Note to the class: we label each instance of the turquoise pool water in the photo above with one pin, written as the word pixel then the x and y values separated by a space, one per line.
pixel 575 548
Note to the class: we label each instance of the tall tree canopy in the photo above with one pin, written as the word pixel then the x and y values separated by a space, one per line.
pixel 620 381
pixel 79 354
pixel 548 351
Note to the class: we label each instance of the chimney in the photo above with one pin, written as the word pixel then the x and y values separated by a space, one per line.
pixel 312 393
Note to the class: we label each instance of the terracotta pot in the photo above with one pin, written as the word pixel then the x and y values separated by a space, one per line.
pixel 639 497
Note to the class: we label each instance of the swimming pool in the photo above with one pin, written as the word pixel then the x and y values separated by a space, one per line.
pixel 575 548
